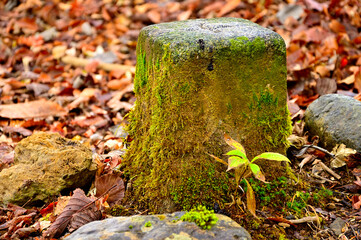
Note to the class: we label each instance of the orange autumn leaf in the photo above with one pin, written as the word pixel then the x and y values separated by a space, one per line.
pixel 27 24
pixel 44 78
pixel 230 6
pixel 32 41
pixel 34 109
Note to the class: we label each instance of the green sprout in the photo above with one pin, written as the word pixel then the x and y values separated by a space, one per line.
pixel 244 167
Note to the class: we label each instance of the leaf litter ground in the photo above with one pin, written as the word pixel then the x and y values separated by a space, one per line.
pixel 68 66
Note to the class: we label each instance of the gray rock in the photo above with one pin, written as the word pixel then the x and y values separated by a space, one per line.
pixel 44 165
pixel 337 226
pixel 162 227
pixel 335 119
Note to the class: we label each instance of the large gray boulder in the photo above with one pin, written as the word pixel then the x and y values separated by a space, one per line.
pixel 335 119
pixel 44 165
pixel 158 227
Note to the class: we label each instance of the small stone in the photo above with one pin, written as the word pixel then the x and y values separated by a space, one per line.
pixel 335 119
pixel 162 227
pixel 337 226
pixel 290 10
pixel 49 34
pixel 78 82
pixel 87 29
pixel 106 57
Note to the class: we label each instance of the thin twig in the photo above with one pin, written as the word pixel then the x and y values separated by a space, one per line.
pixel 305 147
pixel 305 219
pixel 327 169
pixel 323 178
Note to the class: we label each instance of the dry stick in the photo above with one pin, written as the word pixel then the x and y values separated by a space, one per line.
pixel 327 169
pixel 305 219
pixel 82 62
pixel 305 147
pixel 306 160
pixel 323 178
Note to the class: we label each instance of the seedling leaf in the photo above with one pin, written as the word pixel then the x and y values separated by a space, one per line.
pixel 272 156
pixel 235 161
pixel 218 159
pixel 238 173
pixel 233 143
pixel 237 152
pixel 257 172
pixel 251 200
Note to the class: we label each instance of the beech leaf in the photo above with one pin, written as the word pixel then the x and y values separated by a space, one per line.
pixel 233 143
pixel 251 200
pixel 238 153
pixel 235 161
pixel 218 159
pixel 256 170
pixel 77 204
pixel 272 156
pixel 102 184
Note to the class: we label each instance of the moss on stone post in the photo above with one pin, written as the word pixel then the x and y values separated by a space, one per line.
pixel 196 80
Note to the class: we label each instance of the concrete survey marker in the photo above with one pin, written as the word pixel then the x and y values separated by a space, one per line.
pixel 196 80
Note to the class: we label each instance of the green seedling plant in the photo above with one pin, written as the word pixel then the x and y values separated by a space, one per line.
pixel 244 167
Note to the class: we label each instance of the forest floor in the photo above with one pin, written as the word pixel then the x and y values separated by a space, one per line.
pixel 73 63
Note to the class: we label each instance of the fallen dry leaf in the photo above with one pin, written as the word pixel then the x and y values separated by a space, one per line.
pixel 230 6
pixel 341 152
pixel 356 202
pixel 34 109
pixel 79 206
pixel 104 182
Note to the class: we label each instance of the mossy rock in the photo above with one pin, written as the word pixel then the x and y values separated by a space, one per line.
pixel 168 226
pixel 45 164
pixel 196 80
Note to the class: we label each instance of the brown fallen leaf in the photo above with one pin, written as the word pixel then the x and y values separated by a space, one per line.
pixel 356 202
pixel 79 206
pixel 21 130
pixel 34 109
pixel 104 182
pixel 6 155
pixel 353 160
pixel 230 6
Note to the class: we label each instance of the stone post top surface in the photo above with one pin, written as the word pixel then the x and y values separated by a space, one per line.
pixel 210 29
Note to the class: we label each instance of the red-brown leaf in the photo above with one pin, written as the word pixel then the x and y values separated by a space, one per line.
pixel 105 182
pixel 78 204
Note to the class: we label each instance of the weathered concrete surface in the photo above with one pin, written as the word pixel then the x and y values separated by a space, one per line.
pixel 335 119
pixel 196 80
pixel 161 227
pixel 44 165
